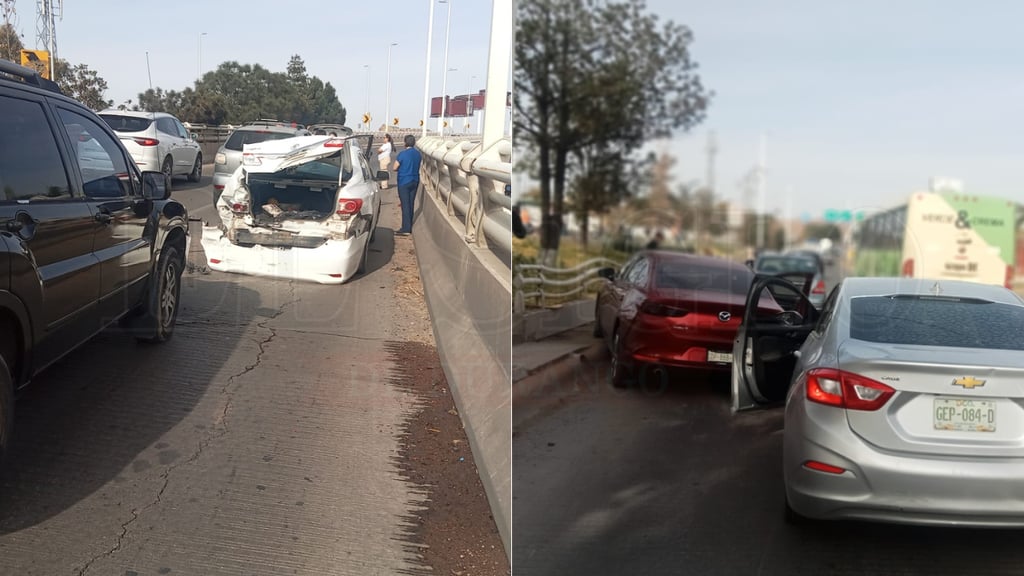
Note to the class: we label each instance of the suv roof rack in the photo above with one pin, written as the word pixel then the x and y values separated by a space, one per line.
pixel 28 76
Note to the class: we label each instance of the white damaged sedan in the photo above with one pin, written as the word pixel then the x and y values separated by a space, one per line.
pixel 302 208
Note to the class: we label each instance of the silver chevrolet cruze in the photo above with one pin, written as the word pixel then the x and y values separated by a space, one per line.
pixel 904 398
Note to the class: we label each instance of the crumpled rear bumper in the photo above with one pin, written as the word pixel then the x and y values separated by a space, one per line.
pixel 334 262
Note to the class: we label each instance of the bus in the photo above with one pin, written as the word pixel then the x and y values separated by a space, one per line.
pixel 941 235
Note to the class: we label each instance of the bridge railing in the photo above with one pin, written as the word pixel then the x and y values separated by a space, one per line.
pixel 539 286
pixel 471 181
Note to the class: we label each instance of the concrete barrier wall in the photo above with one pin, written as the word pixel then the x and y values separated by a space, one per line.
pixel 469 293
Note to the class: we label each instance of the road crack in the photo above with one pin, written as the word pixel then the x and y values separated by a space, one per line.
pixel 217 433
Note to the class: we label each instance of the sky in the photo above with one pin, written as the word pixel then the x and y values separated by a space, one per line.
pixel 335 38
pixel 860 102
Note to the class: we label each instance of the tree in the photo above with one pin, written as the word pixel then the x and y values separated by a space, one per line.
pixel 582 80
pixel 82 83
pixel 10 43
pixel 235 93
pixel 297 70
pixel 817 230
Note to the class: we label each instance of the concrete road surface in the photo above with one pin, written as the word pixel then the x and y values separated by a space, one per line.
pixel 669 482
pixel 263 439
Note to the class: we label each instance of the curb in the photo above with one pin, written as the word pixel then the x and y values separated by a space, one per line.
pixel 547 385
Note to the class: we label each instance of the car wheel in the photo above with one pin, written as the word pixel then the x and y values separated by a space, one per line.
pixel 160 310
pixel 6 407
pixel 621 375
pixel 197 169
pixel 168 169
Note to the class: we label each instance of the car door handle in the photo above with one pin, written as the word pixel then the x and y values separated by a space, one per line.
pixel 103 217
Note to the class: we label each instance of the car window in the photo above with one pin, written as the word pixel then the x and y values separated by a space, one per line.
pixel 166 125
pixel 240 138
pixel 688 276
pixel 30 163
pixel 937 321
pixel 126 123
pixel 638 273
pixel 101 162
pixel 182 132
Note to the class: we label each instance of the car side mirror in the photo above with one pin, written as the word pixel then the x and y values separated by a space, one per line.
pixel 750 264
pixel 607 273
pixel 155 185
pixel 383 176
pixel 194 136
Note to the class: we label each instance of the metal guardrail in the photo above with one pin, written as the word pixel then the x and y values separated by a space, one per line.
pixel 531 281
pixel 470 180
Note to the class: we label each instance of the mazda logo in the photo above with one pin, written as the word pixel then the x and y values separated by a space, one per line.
pixel 724 316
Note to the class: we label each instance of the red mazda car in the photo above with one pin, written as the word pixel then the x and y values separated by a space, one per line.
pixel 670 309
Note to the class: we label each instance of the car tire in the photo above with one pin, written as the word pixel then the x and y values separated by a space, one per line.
pixel 598 332
pixel 6 407
pixel 168 169
pixel 163 296
pixel 621 374
pixel 197 170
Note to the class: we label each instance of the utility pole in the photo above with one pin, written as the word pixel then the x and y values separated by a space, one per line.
pixel 761 185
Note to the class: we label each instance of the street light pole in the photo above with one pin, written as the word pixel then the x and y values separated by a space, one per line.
pixel 426 74
pixel 444 81
pixel 201 34
pixel 367 66
pixel 387 99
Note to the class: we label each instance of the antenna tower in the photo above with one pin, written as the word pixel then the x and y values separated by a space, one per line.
pixel 46 29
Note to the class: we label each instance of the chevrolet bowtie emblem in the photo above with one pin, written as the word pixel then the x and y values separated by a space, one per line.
pixel 968 382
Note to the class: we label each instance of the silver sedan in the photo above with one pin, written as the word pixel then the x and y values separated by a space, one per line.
pixel 904 399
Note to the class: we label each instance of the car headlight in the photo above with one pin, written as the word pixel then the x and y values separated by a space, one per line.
pixel 220 158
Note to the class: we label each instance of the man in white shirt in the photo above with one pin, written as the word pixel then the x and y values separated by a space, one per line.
pixel 384 157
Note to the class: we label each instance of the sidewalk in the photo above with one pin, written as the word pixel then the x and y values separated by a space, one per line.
pixel 531 357
pixel 547 371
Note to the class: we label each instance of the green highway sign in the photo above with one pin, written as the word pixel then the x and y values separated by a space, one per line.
pixel 843 215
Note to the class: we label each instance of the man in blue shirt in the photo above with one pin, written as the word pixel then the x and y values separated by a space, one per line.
pixel 407 167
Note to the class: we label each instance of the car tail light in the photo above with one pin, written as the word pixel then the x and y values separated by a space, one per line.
pixel 239 207
pixel 220 158
pixel 819 288
pixel 349 206
pixel 846 390
pixel 656 309
pixel 218 186
pixel 822 467
pixel 908 268
pixel 146 141
pixel 334 143
pixel 214 261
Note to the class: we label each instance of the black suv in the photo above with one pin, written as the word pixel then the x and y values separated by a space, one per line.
pixel 86 239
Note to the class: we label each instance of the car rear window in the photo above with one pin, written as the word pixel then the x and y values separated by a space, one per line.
pixel 688 276
pixel 775 265
pixel 126 123
pixel 241 137
pixel 937 321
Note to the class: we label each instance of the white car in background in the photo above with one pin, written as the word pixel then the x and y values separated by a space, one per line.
pixel 157 141
pixel 302 208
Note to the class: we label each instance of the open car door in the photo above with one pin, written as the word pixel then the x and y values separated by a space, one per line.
pixel 776 321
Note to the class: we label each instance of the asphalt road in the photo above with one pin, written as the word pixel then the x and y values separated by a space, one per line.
pixel 670 482
pixel 263 439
